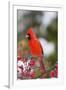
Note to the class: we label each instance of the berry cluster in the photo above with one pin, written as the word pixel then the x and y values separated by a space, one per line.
pixel 25 68
pixel 54 72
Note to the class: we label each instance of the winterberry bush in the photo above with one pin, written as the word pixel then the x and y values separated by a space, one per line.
pixel 29 67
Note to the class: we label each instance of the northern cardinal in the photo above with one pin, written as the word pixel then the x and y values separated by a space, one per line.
pixel 35 47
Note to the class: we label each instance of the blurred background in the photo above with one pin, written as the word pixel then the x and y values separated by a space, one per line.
pixel 45 26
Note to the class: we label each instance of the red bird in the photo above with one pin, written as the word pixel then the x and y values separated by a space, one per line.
pixel 35 46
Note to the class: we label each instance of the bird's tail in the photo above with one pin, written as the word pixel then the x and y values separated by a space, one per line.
pixel 42 66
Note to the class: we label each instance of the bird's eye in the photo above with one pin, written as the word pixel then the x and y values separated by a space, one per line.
pixel 28 36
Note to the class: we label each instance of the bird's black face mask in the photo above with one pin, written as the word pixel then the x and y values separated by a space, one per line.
pixel 28 37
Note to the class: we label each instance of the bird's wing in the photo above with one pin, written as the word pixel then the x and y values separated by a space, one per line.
pixel 41 48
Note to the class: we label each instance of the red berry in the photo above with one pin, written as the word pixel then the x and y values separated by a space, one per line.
pixel 52 73
pixel 32 74
pixel 32 63
pixel 19 58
